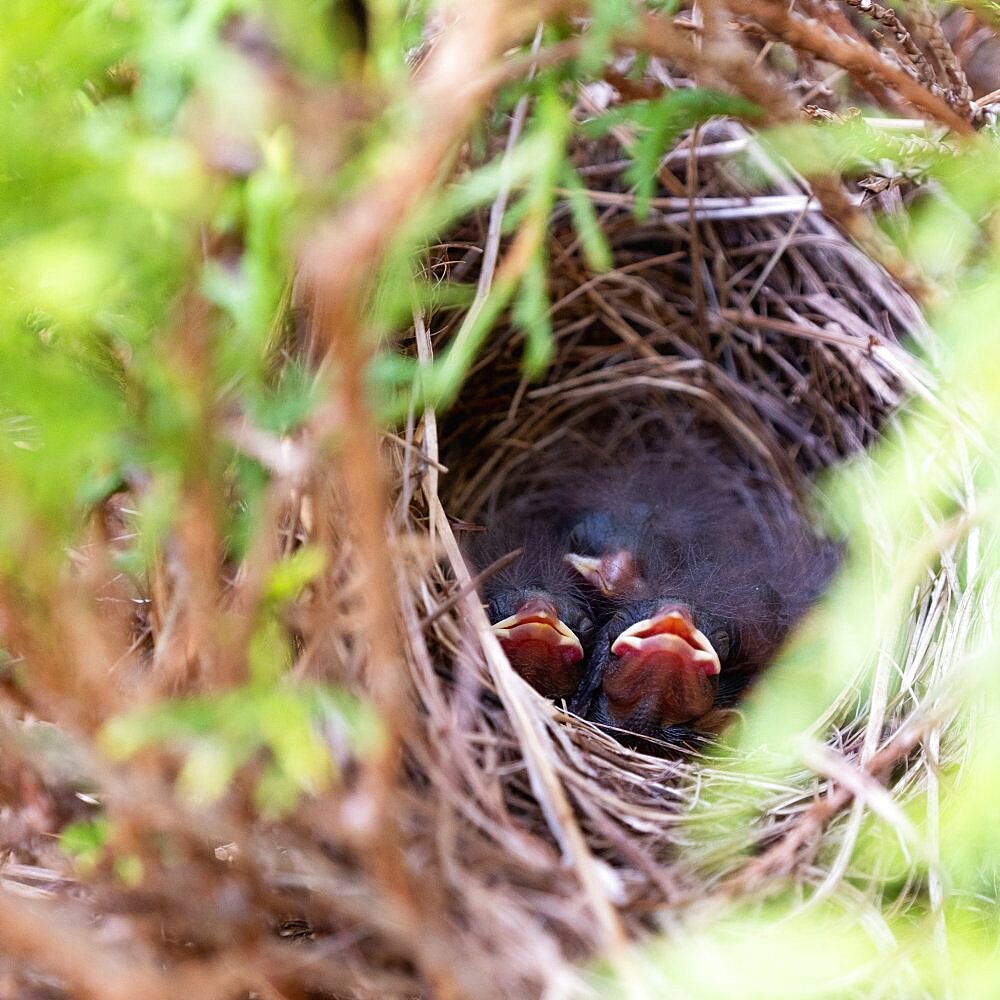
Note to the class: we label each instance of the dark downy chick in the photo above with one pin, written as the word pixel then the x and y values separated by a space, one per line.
pixel 717 570
pixel 538 605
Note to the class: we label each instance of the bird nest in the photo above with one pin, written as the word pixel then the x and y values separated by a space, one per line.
pixel 509 841
pixel 734 302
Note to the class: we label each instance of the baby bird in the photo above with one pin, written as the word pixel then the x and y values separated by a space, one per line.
pixel 700 572
pixel 538 605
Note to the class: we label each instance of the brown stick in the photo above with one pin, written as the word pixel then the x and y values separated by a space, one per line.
pixel 815 38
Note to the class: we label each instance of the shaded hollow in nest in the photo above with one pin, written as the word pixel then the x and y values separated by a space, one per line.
pixel 655 574
pixel 741 310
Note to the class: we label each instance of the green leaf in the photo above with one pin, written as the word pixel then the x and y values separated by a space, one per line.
pixel 595 244
pixel 339 708
pixel 531 314
pixel 295 572
pixel 608 18
pixel 269 655
pixel 288 729
pixel 207 771
pixel 170 722
pixel 659 124
pixel 85 840
pixel 130 870
pixel 285 406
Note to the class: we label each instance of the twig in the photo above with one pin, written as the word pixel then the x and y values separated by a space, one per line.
pixel 491 245
pixel 815 38
pixel 759 205
pixel 901 36
pixel 959 92
pixel 471 587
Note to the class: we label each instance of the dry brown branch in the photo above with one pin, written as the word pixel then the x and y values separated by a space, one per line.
pixel 207 659
pixel 35 934
pixel 903 40
pixel 813 37
pixel 929 25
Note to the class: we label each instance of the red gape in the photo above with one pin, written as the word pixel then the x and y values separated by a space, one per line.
pixel 541 648
pixel 662 669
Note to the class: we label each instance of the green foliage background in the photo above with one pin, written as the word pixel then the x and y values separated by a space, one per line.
pixel 106 191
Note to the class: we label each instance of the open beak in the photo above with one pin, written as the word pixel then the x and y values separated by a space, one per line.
pixel 665 672
pixel 541 648
pixel 669 635
pixel 612 575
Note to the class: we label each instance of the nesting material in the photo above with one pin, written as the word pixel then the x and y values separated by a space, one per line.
pixel 738 307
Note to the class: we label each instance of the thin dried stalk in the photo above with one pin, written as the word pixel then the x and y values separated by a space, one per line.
pixel 929 26
pixel 815 38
